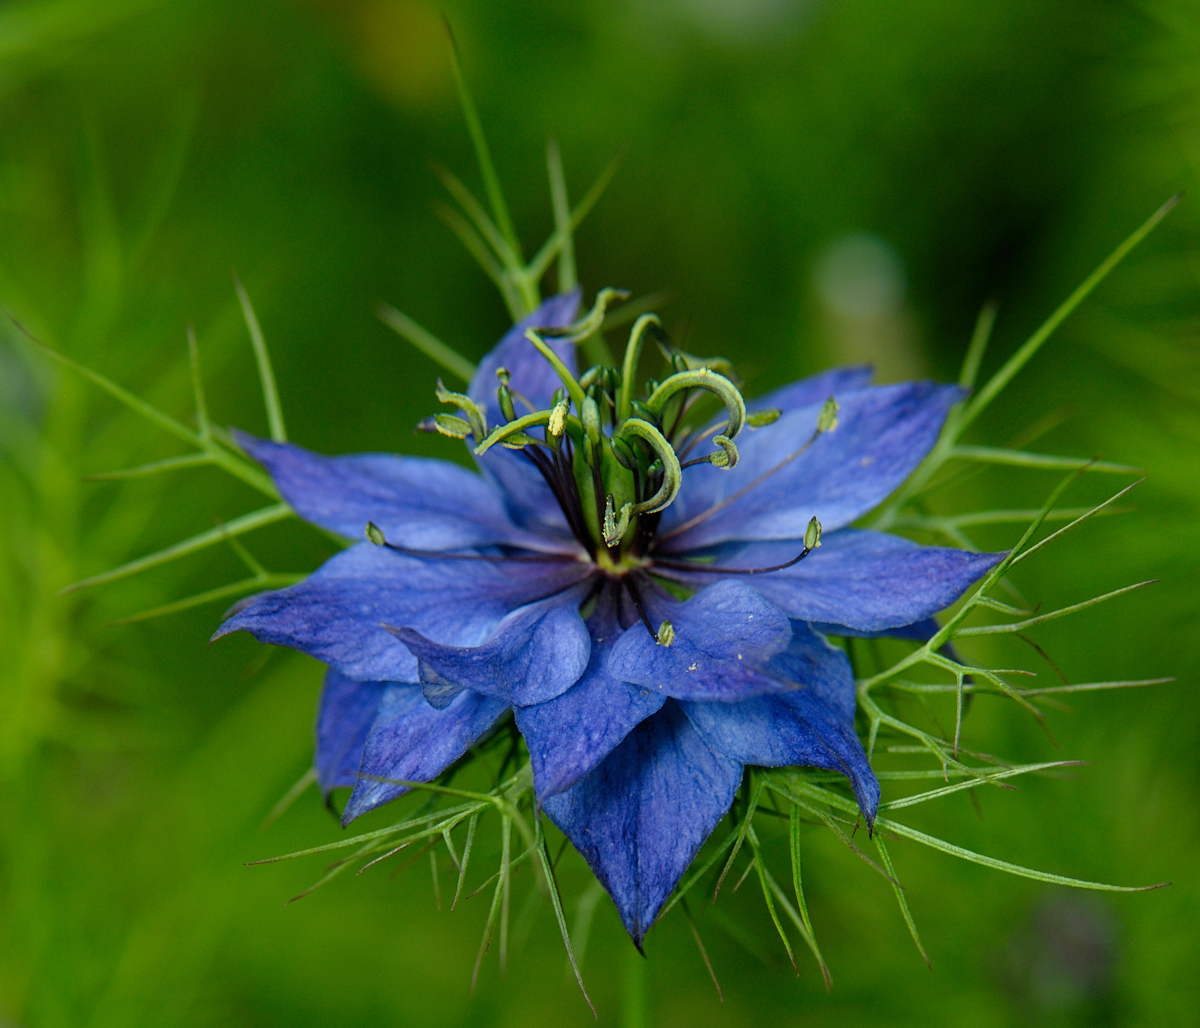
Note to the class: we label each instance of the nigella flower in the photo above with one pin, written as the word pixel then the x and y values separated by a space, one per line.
pixel 650 598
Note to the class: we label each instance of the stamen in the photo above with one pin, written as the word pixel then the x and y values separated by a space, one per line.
pixel 375 535
pixel 469 407
pixel 672 474
pixel 709 569
pixel 664 631
pixel 708 380
pixel 828 416
pixel 633 350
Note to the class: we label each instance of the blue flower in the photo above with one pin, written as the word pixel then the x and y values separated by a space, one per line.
pixel 656 621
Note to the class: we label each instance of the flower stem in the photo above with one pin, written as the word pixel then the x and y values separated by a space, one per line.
pixel 633 991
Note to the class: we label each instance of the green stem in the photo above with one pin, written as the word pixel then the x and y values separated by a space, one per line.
pixel 633 991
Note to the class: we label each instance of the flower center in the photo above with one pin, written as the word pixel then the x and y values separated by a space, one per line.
pixel 613 457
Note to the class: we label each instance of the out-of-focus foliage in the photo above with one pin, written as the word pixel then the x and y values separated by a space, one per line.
pixel 812 182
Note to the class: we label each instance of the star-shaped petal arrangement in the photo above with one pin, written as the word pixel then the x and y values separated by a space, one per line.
pixel 656 618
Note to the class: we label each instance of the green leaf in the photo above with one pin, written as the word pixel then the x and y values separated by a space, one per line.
pixel 1020 626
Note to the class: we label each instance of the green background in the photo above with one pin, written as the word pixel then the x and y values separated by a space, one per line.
pixel 987 148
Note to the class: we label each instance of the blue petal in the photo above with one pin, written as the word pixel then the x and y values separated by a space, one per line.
pixel 864 581
pixel 419 503
pixel 883 433
pixel 920 631
pixel 814 389
pixel 569 735
pixel 411 741
pixel 531 375
pixel 809 726
pixel 642 815
pixel 337 614
pixel 530 501
pixel 724 636
pixel 536 653
pixel 346 712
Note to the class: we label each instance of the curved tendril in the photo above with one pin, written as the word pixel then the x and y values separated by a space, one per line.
pixel 468 406
pixel 633 350
pixel 707 379
pixel 591 322
pixel 672 473
pixel 560 369
pixel 502 432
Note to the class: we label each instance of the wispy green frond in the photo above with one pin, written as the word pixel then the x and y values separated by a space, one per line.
pixel 567 278
pixel 427 342
pixel 266 373
pixel 550 249
pixel 901 899
pixel 246 523
pixel 1018 360
pixel 1017 458
pixel 556 901
pixel 225 592
pixel 491 182
pixel 1011 772
pixel 187 460
pixel 1020 626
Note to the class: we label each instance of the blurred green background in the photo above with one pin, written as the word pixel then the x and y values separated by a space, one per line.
pixel 812 181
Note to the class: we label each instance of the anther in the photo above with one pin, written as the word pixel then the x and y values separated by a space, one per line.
pixel 558 419
pixel 761 418
pixel 665 634
pixel 375 534
pixel 827 420
pixel 812 536
pixel 445 424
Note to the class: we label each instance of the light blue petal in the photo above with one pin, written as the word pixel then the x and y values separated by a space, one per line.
pixel 420 504
pixel 642 815
pixel 724 637
pixel 570 734
pixel 861 580
pixel 412 742
pixel 337 614
pixel 535 653
pixel 814 389
pixel 882 435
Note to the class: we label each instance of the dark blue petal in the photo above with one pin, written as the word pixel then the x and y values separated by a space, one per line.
pixel 883 433
pixel 419 503
pixel 337 614
pixel 724 635
pixel 641 816
pixel 536 653
pixel 411 741
pixel 814 389
pixel 809 726
pixel 530 501
pixel 920 631
pixel 344 718
pixel 863 581
pixel 569 735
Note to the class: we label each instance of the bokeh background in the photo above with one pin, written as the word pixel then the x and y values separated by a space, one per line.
pixel 811 181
